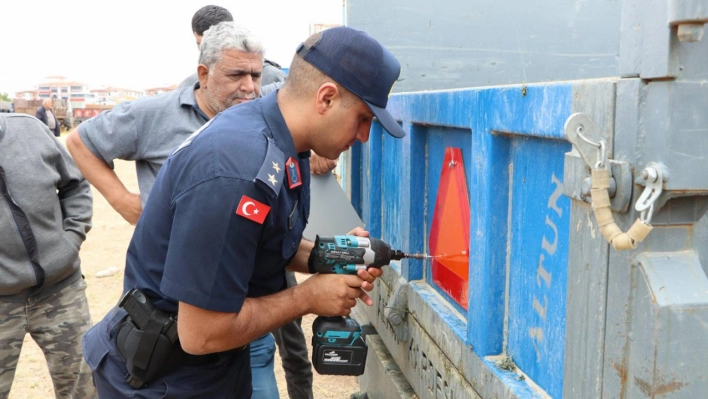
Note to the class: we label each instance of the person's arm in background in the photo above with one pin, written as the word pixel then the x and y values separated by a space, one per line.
pixel 111 135
pixel 104 178
pixel 321 165
pixel 75 197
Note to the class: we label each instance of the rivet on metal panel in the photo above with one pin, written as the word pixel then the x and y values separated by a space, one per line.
pixel 690 32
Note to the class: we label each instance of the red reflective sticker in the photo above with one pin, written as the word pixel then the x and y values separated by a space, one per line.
pixel 450 230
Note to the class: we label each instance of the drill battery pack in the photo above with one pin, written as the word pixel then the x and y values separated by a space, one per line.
pixel 340 359
pixel 337 346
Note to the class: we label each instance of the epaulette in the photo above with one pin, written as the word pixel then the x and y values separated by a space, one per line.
pixel 272 170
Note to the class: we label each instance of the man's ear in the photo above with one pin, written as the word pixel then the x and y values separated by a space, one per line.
pixel 326 96
pixel 202 74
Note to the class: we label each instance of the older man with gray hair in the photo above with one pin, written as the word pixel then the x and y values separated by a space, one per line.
pixel 149 129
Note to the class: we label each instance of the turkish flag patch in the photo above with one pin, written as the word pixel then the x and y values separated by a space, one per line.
pixel 252 209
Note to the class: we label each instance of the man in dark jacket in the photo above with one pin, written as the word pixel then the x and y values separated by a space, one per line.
pixel 45 213
pixel 45 114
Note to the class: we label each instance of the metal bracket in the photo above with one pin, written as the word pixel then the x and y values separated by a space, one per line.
pixel 396 311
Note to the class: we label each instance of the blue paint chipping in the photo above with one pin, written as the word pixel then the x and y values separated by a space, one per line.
pixel 495 128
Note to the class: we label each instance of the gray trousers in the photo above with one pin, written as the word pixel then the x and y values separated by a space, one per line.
pixel 56 324
pixel 292 348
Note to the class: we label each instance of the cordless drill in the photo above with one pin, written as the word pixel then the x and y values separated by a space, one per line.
pixel 337 345
pixel 347 254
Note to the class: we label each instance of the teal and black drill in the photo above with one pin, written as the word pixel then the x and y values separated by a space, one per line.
pixel 347 254
pixel 337 345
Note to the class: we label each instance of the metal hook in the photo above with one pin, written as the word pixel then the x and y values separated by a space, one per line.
pixel 601 156
pixel 654 176
pixel 580 131
pixel 645 215
pixel 578 128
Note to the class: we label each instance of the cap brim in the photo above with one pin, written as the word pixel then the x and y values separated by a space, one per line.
pixel 390 124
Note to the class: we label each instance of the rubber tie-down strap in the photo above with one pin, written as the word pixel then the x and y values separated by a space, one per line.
pixel 603 214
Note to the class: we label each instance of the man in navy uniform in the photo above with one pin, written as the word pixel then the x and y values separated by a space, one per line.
pixel 223 221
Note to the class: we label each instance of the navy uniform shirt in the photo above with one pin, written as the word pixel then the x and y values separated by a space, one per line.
pixel 193 243
pixel 200 241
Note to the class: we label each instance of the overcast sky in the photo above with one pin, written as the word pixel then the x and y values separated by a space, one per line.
pixel 135 44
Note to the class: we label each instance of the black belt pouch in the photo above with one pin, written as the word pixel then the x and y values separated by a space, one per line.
pixel 148 354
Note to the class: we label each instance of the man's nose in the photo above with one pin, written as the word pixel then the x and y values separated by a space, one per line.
pixel 364 131
pixel 249 85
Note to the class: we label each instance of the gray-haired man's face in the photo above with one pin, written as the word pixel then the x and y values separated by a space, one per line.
pixel 234 79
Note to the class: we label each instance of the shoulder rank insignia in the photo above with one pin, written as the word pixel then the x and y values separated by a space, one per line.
pixel 293 167
pixel 272 170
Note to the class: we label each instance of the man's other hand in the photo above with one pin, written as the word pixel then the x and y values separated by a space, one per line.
pixel 320 165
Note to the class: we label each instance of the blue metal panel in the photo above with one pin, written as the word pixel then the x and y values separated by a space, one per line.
pixel 394 189
pixel 418 228
pixel 540 217
pixel 355 171
pixel 536 111
pixel 510 140
pixel 488 231
pixel 372 180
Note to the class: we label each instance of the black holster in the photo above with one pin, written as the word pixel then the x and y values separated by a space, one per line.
pixel 147 340
pixel 148 353
pixel 148 343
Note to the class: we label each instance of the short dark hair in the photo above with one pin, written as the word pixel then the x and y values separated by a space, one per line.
pixel 208 16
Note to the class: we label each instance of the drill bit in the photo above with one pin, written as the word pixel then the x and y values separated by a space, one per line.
pixel 419 256
pixel 398 255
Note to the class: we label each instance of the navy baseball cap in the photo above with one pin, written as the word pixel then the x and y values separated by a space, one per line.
pixel 358 62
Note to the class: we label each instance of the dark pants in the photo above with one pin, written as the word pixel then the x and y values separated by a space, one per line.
pixel 292 348
pixel 228 377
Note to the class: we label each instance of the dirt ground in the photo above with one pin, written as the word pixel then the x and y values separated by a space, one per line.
pixel 105 247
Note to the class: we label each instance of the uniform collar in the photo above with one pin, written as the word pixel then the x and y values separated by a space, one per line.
pixel 278 128
pixel 187 98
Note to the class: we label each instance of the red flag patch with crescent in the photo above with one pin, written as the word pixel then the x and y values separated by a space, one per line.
pixel 252 209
